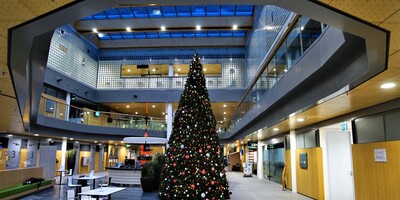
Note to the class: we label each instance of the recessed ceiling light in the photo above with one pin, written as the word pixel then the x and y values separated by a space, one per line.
pixel 276 129
pixel 388 85
pixel 234 27
pixel 95 141
pixel 224 105
pixel 100 34
pixel 163 28
pixel 100 144
pixel 49 139
pixel 224 113
pixel 71 138
pixel 36 134
pixel 292 115
pixel 154 70
pixel 179 69
pixel 205 69
pixel 128 29
pixel 94 30
pixel 302 28
pixel 9 135
pixel 153 106
pixel 241 142
pixel 122 141
pixel 129 70
pixel 76 141
pixel 198 27
pixel 116 143
pixel 61 114
pixel 128 106
pixel 136 113
pixel 248 139
pixel 224 118
pixel 300 119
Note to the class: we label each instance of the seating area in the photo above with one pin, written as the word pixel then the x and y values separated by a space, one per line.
pixel 13 188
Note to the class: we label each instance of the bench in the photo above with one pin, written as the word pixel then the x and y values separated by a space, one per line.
pixel 23 190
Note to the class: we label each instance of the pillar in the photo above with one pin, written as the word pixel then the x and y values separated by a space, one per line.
pixel 169 120
pixel 68 102
pixel 63 152
pixel 260 161
pixel 293 159
pixel 101 158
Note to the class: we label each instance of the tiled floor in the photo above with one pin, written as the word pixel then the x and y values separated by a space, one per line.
pixel 241 188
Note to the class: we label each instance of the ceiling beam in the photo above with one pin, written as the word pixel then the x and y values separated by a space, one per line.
pixel 173 42
pixel 169 23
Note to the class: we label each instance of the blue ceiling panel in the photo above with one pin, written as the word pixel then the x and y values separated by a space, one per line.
pixel 201 33
pixel 164 34
pixel 112 13
pixel 88 18
pixel 183 11
pixel 226 33
pixel 152 35
pixel 228 10
pixel 99 15
pixel 198 11
pixel 168 11
pixel 154 11
pixel 189 34
pixel 128 35
pixel 140 35
pixel 176 34
pixel 140 12
pixel 213 10
pixel 104 36
pixel 239 33
pixel 115 36
pixel 126 13
pixel 244 10
pixel 213 33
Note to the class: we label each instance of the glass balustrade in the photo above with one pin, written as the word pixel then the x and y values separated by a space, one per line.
pixel 55 109
pixel 301 37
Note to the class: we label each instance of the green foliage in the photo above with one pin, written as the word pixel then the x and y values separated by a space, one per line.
pixel 194 167
pixel 71 153
pixel 148 170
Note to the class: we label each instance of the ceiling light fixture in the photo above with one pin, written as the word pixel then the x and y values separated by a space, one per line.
pixel 163 28
pixel 224 105
pixel 198 27
pixel 300 120
pixel 36 134
pixel 128 106
pixel 129 70
pixel 234 27
pixel 153 106
pixel 248 139
pixel 9 135
pixel 292 115
pixel 179 70
pixel 128 29
pixel 100 34
pixel 154 70
pixel 95 141
pixel 94 30
pixel 224 113
pixel 136 113
pixel 205 69
pixel 388 85
pixel 276 129
pixel 71 138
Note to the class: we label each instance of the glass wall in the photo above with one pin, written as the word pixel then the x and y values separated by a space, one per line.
pixel 274 162
pixel 305 32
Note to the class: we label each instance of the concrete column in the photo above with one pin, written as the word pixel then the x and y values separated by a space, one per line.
pixel 169 120
pixel 293 159
pixel 101 158
pixel 63 152
pixel 260 161
pixel 68 102
pixel 171 70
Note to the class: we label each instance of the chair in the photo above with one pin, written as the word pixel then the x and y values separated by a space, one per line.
pixel 72 185
pixel 106 183
pixel 70 194
pixel 70 173
pixel 84 189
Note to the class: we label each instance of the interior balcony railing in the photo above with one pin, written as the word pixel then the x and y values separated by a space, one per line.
pixel 297 39
pixel 55 108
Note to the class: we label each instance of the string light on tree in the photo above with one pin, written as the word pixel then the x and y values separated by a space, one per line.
pixel 193 164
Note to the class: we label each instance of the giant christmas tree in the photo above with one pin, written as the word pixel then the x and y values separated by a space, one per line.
pixel 193 167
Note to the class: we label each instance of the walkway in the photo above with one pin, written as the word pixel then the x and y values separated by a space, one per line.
pixel 241 188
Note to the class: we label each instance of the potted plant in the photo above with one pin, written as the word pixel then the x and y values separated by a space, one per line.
pixel 146 180
pixel 71 154
pixel 158 164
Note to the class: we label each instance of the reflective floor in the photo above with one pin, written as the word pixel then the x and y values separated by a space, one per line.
pixel 241 188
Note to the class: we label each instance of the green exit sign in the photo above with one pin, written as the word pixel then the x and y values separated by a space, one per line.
pixel 343 126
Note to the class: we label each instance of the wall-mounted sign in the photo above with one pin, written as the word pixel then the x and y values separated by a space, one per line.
pixel 343 126
pixel 380 155
pixel 252 145
pixel 303 160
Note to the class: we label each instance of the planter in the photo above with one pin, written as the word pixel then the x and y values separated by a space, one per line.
pixel 147 184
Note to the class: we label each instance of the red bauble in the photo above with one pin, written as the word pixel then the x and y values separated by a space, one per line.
pixel 183 173
pixel 192 186
pixel 174 164
pixel 208 146
pixel 212 168
pixel 200 150
pixel 212 182
pixel 203 171
pixel 187 156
